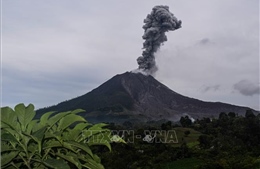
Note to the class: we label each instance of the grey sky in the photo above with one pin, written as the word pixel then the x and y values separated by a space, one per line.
pixel 57 50
pixel 247 88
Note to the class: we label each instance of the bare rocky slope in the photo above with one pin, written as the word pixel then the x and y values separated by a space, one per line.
pixel 137 98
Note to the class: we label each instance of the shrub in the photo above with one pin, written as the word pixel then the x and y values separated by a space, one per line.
pixel 58 141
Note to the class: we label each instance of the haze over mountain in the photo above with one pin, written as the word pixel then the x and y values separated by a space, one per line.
pixel 138 97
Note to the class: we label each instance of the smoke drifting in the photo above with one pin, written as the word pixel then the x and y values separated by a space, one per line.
pixel 160 20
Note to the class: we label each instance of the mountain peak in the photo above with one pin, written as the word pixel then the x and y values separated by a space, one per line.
pixel 139 97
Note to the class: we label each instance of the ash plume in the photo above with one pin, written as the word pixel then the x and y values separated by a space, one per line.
pixel 160 20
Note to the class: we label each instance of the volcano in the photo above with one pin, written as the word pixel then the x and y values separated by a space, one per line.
pixel 138 98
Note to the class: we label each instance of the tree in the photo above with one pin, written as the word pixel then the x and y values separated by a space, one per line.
pixel 231 114
pixel 249 114
pixel 223 116
pixel 185 121
pixel 166 126
pixel 205 141
pixel 187 132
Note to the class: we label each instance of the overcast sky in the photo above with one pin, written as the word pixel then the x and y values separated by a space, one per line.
pixel 53 51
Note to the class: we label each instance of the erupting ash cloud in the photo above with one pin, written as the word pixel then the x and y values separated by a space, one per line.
pixel 160 20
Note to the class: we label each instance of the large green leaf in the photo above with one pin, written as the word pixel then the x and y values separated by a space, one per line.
pixel 14 130
pixel 56 163
pixel 98 126
pixel 44 118
pixel 56 144
pixel 33 148
pixel 70 159
pixel 81 146
pixel 77 111
pixel 38 135
pixel 68 120
pixel 41 123
pixel 88 161
pixel 76 132
pixel 31 125
pixel 100 142
pixel 8 116
pixel 92 164
pixel 8 157
pixel 25 114
pixel 51 144
pixel 81 126
pixel 5 147
pixel 8 137
pixel 54 119
pixel 96 158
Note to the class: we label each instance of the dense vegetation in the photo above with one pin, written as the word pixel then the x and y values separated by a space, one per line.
pixel 60 141
pixel 228 142
pixel 65 140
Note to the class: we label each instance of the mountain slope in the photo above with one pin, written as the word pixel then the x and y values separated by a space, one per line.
pixel 136 97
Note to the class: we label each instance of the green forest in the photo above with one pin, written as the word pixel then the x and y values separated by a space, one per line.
pixel 66 140
pixel 227 142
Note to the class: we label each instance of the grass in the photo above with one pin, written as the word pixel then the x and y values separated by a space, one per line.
pixel 187 163
pixel 191 139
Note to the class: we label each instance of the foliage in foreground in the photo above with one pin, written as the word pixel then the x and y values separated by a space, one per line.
pixel 62 140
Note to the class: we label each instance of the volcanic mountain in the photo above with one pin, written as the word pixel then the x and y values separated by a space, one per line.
pixel 137 97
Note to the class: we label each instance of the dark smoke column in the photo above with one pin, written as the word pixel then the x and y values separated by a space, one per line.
pixel 160 20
